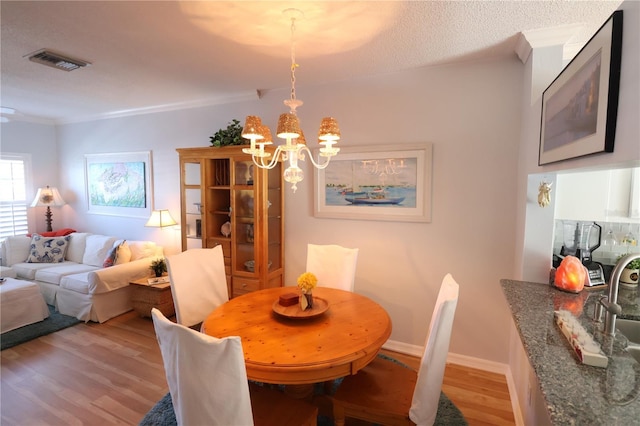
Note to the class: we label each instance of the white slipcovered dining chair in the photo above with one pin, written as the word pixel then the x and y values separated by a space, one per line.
pixel 388 393
pixel 333 265
pixel 198 283
pixel 208 384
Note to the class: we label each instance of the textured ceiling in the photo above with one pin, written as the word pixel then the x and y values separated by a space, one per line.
pixel 150 55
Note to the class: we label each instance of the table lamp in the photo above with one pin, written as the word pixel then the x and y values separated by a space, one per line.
pixel 160 219
pixel 48 197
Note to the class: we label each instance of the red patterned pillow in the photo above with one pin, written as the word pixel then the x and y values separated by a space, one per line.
pixel 59 233
pixel 112 257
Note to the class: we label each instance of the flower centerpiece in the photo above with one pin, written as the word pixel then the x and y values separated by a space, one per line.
pixel 306 283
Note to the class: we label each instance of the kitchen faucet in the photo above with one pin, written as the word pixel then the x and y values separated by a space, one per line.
pixel 610 302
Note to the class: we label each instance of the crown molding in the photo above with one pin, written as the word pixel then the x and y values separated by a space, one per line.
pixel 544 37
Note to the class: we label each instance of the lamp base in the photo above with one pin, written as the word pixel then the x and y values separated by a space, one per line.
pixel 48 219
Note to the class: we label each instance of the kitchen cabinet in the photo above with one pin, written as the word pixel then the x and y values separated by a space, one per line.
pixel 226 200
pixel 601 196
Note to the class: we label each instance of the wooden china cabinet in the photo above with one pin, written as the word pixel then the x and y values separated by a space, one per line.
pixel 226 200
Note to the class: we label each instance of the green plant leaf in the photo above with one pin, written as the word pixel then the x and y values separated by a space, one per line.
pixel 232 135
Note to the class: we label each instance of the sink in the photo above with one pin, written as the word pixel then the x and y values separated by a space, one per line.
pixel 631 330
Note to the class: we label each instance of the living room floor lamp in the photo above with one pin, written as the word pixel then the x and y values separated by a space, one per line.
pixel 48 197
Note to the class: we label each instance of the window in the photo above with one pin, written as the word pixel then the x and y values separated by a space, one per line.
pixel 13 194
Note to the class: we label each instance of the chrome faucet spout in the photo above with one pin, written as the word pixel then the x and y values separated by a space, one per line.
pixel 610 302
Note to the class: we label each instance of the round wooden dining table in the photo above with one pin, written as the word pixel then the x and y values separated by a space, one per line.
pixel 287 350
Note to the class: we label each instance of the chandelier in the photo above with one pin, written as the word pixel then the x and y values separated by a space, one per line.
pixel 294 147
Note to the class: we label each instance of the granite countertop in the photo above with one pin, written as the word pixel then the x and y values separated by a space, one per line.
pixel 576 393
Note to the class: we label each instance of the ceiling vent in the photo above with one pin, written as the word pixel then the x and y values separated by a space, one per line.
pixel 55 60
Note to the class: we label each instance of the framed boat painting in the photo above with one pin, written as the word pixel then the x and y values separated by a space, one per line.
pixel 391 183
pixel 119 184
pixel 580 107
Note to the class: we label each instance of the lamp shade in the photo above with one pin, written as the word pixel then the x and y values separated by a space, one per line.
pixel 48 197
pixel 160 219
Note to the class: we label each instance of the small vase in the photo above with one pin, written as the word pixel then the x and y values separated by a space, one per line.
pixel 629 278
pixel 306 301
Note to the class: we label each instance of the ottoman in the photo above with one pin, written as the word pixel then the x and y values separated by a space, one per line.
pixel 21 303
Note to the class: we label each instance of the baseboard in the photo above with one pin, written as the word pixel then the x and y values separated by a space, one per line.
pixel 513 396
pixel 452 358
pixel 471 362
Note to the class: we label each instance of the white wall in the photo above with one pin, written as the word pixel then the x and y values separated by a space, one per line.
pixel 534 259
pixel 535 224
pixel 39 140
pixel 471 115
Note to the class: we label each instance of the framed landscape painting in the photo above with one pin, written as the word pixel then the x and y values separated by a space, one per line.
pixel 390 183
pixel 119 184
pixel 580 107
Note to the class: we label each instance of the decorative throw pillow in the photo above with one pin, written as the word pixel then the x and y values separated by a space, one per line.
pixel 124 253
pixel 111 257
pixel 47 249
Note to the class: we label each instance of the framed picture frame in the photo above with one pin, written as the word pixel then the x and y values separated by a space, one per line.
pixel 119 184
pixel 580 107
pixel 390 183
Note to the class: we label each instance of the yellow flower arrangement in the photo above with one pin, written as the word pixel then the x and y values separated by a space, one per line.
pixel 307 282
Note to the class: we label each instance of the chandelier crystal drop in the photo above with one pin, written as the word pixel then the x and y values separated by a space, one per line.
pixel 294 147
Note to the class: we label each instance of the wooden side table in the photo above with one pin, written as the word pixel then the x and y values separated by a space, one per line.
pixel 145 296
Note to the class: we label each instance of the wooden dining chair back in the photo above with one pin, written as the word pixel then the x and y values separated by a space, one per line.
pixel 333 265
pixel 208 384
pixel 387 392
pixel 198 283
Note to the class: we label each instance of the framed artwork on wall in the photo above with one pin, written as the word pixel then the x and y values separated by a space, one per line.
pixel 391 183
pixel 580 107
pixel 119 184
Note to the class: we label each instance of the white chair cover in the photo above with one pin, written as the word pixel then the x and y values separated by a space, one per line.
pixel 206 376
pixel 426 394
pixel 333 265
pixel 198 283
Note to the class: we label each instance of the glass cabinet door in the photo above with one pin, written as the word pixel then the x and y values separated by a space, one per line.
pixel 192 205
pixel 274 218
pixel 244 214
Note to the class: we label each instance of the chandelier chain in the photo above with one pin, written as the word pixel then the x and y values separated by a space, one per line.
pixel 293 59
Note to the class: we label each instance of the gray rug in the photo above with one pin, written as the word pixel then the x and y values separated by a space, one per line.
pixel 162 413
pixel 56 321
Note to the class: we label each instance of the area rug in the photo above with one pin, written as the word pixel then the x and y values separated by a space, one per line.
pixel 54 322
pixel 162 414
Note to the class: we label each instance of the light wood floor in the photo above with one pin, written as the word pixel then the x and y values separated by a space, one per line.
pixel 111 373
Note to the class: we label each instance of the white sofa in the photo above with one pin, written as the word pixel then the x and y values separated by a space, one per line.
pixel 80 285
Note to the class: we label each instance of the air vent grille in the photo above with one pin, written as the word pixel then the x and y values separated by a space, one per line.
pixel 55 60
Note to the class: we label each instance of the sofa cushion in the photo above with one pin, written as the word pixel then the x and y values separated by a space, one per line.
pixel 54 275
pixel 76 282
pixel 47 249
pixel 28 271
pixel 142 249
pixel 96 249
pixel 77 244
pixel 15 250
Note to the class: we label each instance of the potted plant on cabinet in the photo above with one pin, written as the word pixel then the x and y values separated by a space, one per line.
pixel 629 276
pixel 232 135
pixel 158 266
